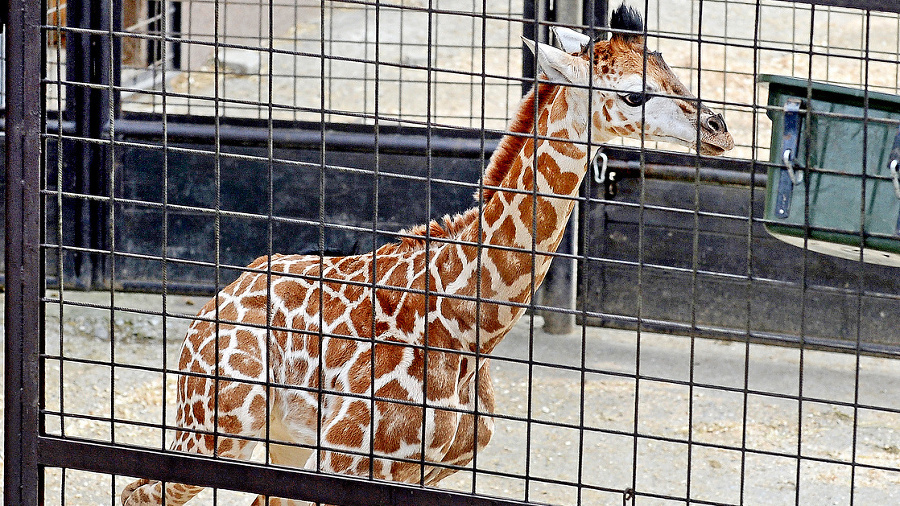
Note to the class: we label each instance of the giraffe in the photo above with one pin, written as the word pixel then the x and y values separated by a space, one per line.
pixel 378 364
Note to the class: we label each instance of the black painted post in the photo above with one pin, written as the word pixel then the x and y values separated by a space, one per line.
pixel 85 162
pixel 559 288
pixel 560 285
pixel 24 265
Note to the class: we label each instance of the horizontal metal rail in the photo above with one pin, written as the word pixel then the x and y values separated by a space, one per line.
pixel 873 5
pixel 255 478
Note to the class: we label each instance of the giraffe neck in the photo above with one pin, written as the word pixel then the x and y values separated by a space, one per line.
pixel 524 220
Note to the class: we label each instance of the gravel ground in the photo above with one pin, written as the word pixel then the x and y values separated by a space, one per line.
pixel 669 412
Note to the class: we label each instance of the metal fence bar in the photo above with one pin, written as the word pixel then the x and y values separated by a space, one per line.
pixel 875 5
pixel 96 137
pixel 24 268
pixel 247 476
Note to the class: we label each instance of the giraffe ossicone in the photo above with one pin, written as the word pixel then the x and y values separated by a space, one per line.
pixel 376 364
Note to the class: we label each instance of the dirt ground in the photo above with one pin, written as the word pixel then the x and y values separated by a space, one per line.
pixel 743 397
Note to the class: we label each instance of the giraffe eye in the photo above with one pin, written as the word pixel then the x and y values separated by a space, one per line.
pixel 635 99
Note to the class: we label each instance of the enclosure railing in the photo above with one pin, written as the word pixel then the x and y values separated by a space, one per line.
pixel 77 106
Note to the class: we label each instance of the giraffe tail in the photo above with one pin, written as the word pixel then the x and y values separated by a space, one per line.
pixel 146 493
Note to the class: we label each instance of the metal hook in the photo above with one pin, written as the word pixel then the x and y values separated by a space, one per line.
pixel 788 159
pixel 895 176
pixel 600 174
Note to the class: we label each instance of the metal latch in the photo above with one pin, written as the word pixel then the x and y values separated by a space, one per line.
pixel 790 142
pixel 604 176
pixel 894 168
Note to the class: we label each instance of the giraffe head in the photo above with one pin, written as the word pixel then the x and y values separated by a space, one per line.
pixel 634 92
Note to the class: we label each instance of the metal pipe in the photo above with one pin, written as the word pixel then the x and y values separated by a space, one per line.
pixel 24 261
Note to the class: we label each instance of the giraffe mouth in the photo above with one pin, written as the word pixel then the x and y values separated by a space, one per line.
pixel 708 149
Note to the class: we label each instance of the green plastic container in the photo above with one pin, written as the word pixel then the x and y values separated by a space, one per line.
pixel 846 210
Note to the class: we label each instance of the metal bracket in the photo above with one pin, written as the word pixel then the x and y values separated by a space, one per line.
pixel 790 142
pixel 894 167
pixel 604 176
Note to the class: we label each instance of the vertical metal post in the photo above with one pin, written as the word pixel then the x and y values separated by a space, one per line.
pixel 87 105
pixel 559 288
pixel 22 476
pixel 529 31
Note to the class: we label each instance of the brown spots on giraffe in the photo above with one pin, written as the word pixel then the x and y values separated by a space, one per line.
pixel 260 262
pixel 259 301
pixel 387 358
pixel 314 302
pixel 606 113
pixel 506 232
pixel 228 312
pixel 564 183
pixel 527 152
pixel 625 130
pixel 450 266
pixel 348 431
pixel 442 367
pixel 393 390
pixel 290 294
pixel 388 300
pixel 209 442
pixel 569 149
pixel 361 316
pixel 490 318
pixel 406 319
pixel 597 122
pixel 339 351
pixel 399 425
pixel 247 280
pixel 340 462
pixel 359 374
pixel 365 465
pixel 445 424
pixel 542 121
pixel 226 445
pixel 547 163
pixel 494 209
pixel 510 264
pixel 548 221
pixel 560 134
pixel 622 116
pixel 689 109
pixel 245 365
pixel 558 109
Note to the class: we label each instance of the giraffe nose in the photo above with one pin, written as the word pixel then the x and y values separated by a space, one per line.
pixel 715 123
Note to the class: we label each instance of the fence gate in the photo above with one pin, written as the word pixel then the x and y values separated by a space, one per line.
pixel 713 329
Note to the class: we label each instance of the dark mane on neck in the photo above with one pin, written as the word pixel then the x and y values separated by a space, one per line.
pixel 520 131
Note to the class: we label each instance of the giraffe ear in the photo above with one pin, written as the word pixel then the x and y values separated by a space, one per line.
pixel 570 40
pixel 558 65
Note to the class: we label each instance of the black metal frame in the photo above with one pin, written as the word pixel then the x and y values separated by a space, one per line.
pixel 28 450
pixel 24 269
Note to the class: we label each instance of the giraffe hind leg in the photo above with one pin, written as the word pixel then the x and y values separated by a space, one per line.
pixel 145 492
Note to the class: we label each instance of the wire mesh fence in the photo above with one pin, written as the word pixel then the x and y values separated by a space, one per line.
pixel 733 338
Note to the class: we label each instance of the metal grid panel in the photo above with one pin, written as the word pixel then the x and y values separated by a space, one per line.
pixel 592 417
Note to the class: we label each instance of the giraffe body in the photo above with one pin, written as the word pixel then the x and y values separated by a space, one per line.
pixel 377 364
